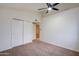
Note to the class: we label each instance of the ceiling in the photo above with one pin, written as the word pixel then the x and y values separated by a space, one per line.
pixel 35 6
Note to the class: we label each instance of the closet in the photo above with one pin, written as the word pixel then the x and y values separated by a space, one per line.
pixel 17 32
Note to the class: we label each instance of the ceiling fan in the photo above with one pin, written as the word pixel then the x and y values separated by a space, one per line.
pixel 50 6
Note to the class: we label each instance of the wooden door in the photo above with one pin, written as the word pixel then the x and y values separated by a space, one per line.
pixel 37 31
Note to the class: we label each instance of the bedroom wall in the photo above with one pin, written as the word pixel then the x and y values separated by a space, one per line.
pixel 62 29
pixel 6 15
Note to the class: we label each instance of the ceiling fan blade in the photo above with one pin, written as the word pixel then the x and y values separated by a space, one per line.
pixel 49 4
pixel 42 8
pixel 55 9
pixel 47 11
pixel 55 4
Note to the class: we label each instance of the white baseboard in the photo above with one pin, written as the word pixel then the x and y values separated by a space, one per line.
pixel 5 49
pixel 60 46
pixel 15 46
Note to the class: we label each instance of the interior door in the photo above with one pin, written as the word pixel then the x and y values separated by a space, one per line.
pixel 37 31
pixel 17 33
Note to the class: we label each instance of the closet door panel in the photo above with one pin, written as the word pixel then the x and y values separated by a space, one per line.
pixel 17 33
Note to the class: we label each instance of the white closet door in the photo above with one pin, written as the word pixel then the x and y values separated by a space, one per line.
pixel 17 33
pixel 28 32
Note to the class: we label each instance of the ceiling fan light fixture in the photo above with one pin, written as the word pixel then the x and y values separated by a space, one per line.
pixel 49 8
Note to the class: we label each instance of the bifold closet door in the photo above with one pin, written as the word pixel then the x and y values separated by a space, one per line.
pixel 17 33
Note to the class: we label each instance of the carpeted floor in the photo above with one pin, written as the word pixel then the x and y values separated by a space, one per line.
pixel 39 48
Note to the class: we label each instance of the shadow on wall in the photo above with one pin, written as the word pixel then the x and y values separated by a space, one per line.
pixel 76 46
pixel 77 43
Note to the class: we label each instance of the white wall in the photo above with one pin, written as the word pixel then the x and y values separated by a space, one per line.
pixel 62 29
pixel 6 15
